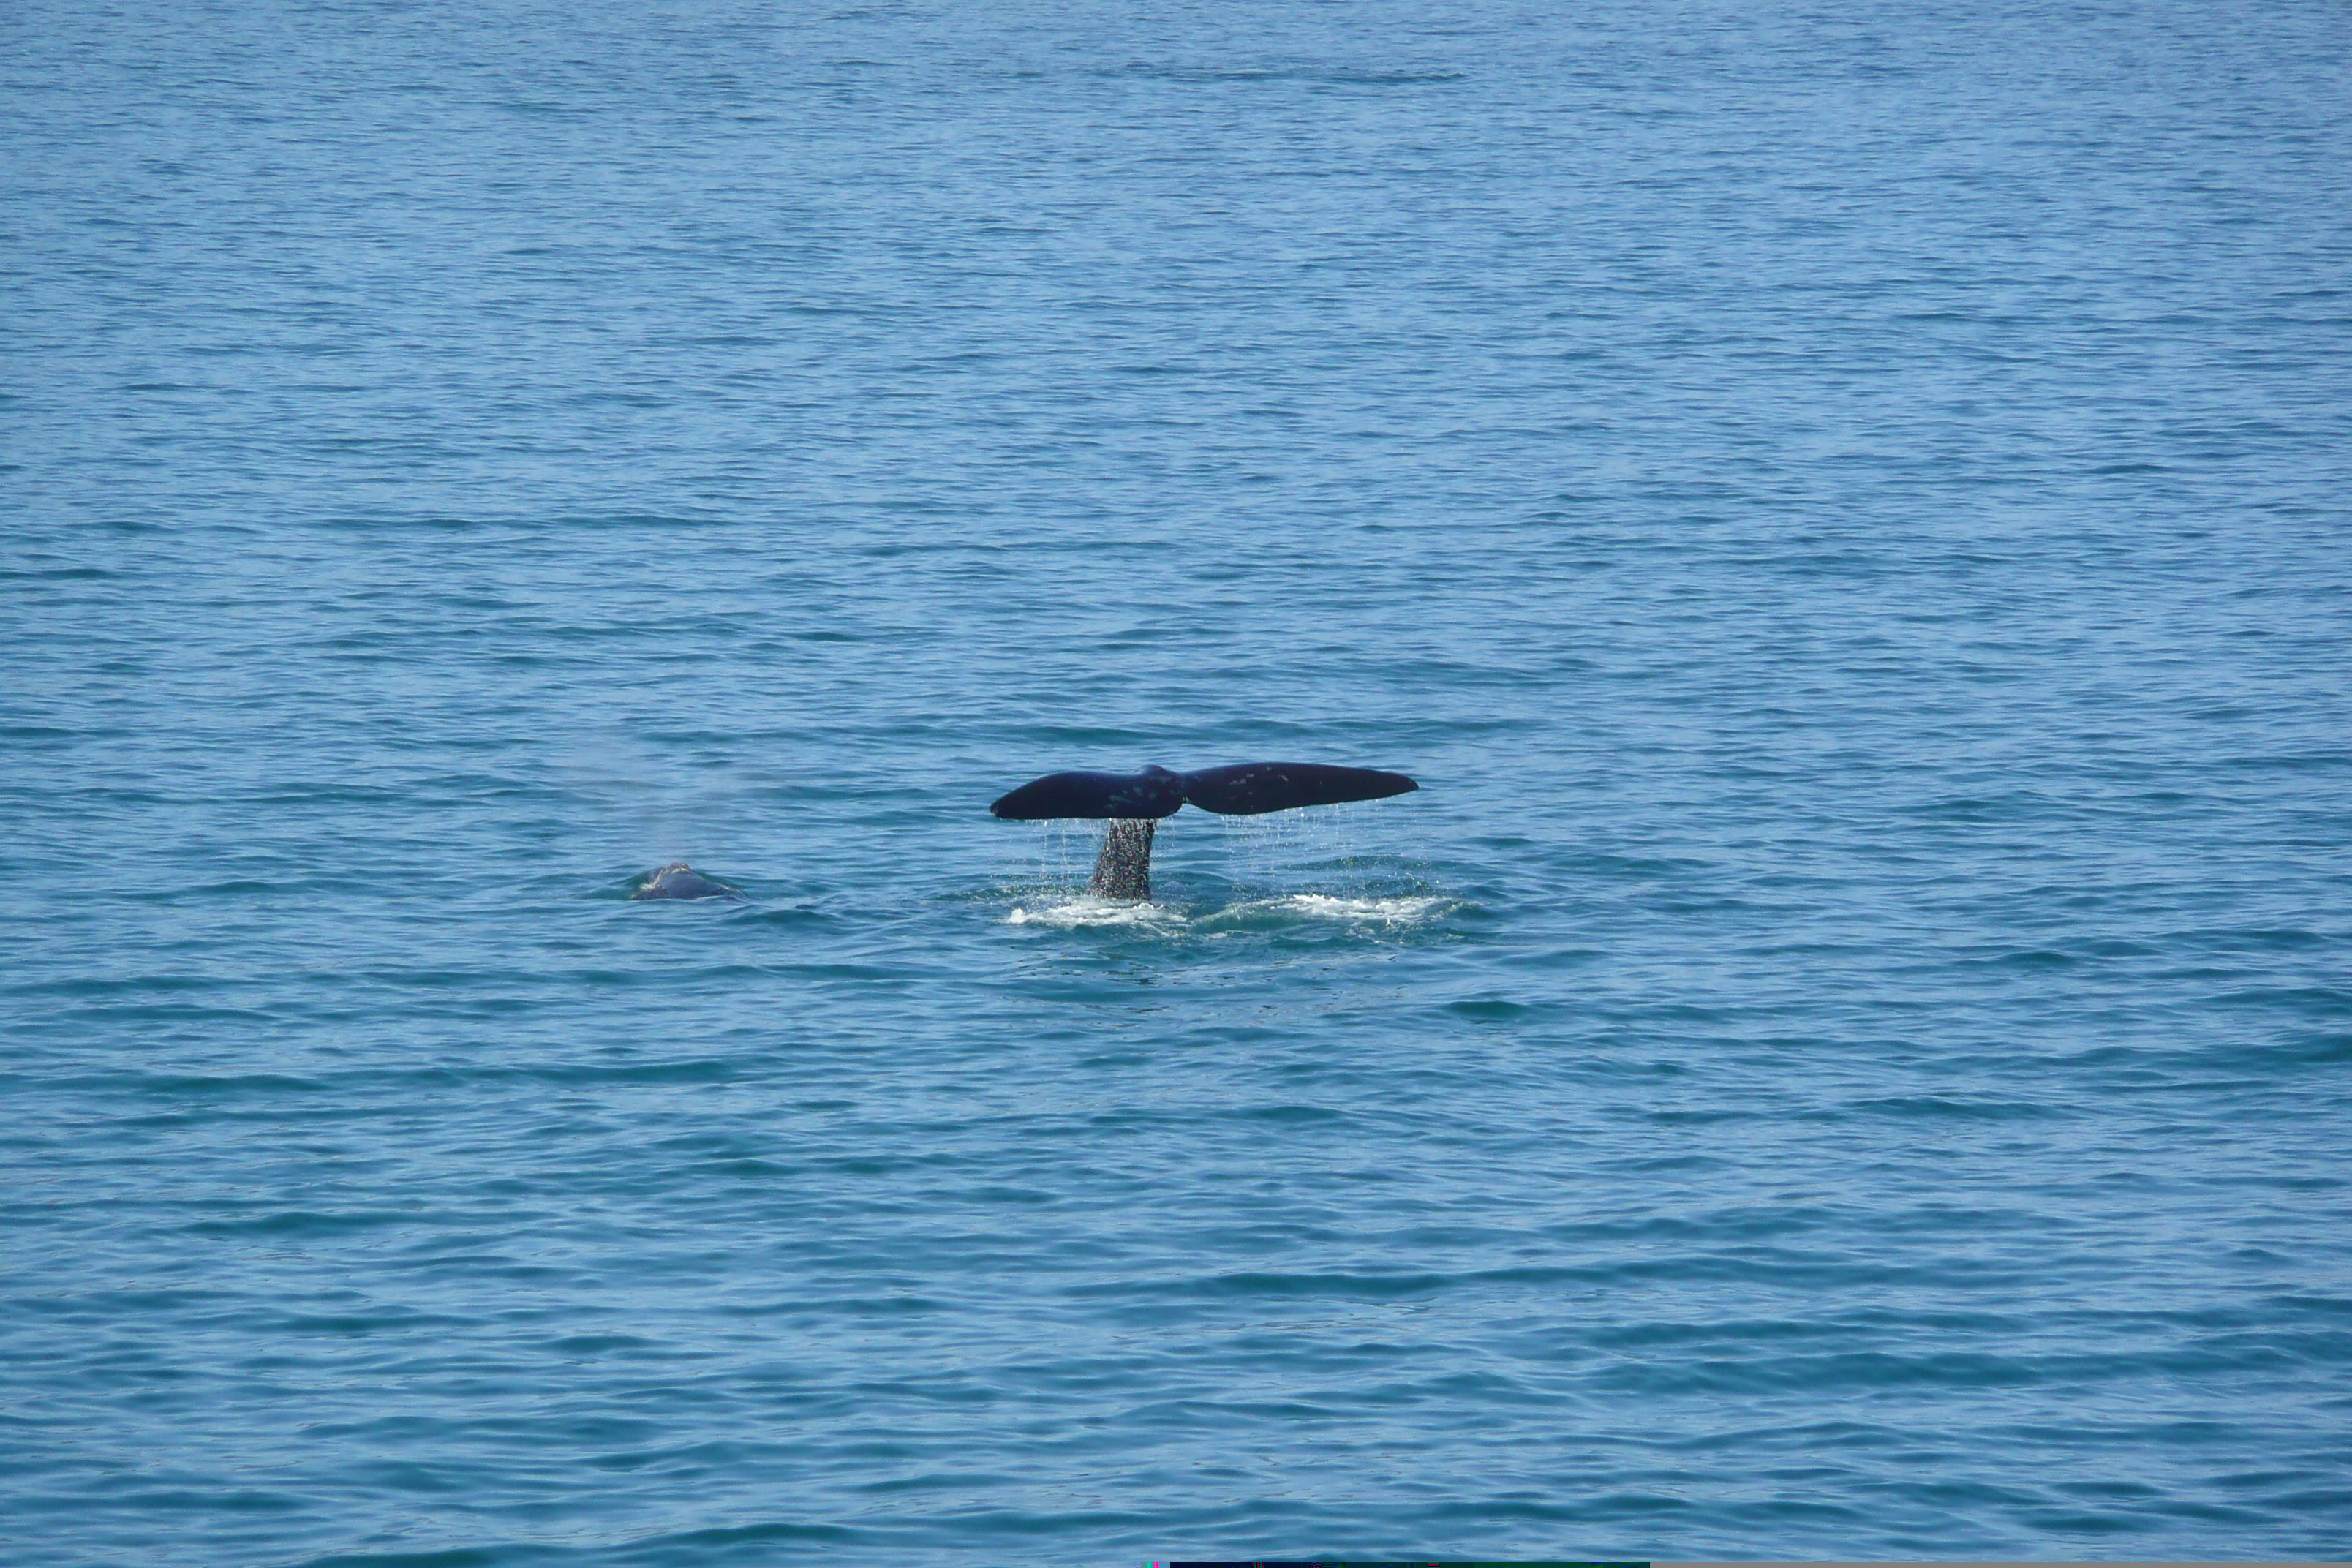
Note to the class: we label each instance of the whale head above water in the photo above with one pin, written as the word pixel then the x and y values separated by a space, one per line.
pixel 680 881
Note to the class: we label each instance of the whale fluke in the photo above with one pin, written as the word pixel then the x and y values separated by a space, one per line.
pixel 680 881
pixel 1244 789
pixel 1133 803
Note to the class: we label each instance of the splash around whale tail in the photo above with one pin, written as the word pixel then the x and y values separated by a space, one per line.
pixel 1242 789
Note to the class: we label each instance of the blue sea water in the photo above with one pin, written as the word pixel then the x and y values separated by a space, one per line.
pixel 1845 511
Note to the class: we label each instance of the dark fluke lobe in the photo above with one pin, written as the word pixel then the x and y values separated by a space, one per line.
pixel 1244 789
pixel 680 881
pixel 1154 792
pixel 1249 789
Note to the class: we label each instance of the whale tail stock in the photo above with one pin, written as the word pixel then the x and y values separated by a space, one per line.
pixel 1123 870
pixel 1133 804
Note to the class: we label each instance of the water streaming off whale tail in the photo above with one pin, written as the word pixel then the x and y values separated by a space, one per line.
pixel 1261 872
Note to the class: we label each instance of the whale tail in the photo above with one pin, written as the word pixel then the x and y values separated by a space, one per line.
pixel 1134 803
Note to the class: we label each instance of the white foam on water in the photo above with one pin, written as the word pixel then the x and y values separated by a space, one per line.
pixel 1386 912
pixel 1085 910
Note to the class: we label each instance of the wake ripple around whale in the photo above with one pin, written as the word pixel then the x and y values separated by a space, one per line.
pixel 1085 910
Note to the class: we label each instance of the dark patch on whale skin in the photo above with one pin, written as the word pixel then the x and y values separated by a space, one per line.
pixel 680 881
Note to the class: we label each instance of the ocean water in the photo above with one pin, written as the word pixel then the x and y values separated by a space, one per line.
pixel 1844 510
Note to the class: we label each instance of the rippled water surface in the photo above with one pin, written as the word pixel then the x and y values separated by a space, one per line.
pixel 1843 511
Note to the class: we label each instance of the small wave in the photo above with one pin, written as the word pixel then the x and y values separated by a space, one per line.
pixel 1332 76
pixel 1387 912
pixel 1086 911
